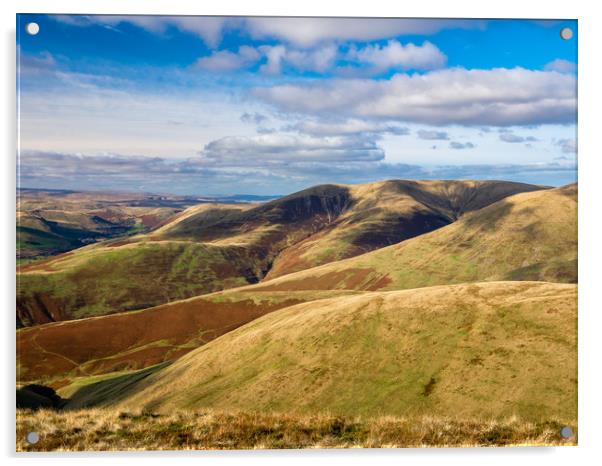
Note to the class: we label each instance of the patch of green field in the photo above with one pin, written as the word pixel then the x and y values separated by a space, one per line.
pixel 106 280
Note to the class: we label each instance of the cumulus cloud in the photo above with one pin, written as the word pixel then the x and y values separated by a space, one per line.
pixel 496 97
pixel 432 135
pixel 561 66
pixel 225 61
pixel 395 55
pixel 514 138
pixel 350 126
pixel 319 59
pixel 567 146
pixel 461 145
pixel 307 32
pixel 369 60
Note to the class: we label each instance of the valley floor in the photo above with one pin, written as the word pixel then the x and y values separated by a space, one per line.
pixel 110 429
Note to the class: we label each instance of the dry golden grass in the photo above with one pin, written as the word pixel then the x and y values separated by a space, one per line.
pixel 190 430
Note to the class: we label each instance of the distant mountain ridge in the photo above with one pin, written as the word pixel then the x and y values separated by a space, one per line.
pixel 528 236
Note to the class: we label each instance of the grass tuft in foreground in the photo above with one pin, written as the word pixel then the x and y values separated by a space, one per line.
pixel 98 429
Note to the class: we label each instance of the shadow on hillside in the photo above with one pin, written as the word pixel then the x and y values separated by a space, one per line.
pixel 109 391
pixel 101 393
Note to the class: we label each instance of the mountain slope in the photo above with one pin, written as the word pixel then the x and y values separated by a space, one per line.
pixel 218 247
pixel 485 349
pixel 528 236
pixel 388 212
pixel 456 252
pixel 59 352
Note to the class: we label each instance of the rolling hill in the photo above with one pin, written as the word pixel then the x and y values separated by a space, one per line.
pixel 216 247
pixel 90 346
pixel 388 212
pixel 471 350
pixel 528 236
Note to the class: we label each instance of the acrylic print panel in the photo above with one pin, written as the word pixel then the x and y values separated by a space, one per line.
pixel 262 232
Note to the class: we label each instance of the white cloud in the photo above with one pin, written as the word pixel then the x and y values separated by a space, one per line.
pixel 300 32
pixel 274 56
pixel 287 148
pixel 568 146
pixel 432 135
pixel 203 176
pixel 350 126
pixel 254 118
pixel 461 145
pixel 307 32
pixel 514 138
pixel 319 59
pixel 561 66
pixel 497 97
pixel 208 28
pixel 225 61
pixel 323 58
pixel 395 55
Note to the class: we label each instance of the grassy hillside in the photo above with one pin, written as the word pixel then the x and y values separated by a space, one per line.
pixel 78 351
pixel 217 247
pixel 486 349
pixel 114 278
pixel 528 236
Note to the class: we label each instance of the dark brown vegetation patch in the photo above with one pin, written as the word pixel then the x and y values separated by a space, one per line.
pixel 130 340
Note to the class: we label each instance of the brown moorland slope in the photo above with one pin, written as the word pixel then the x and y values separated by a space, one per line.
pixel 217 248
pixel 56 353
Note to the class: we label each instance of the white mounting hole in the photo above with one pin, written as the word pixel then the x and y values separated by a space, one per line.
pixel 566 33
pixel 32 28
pixel 32 438
pixel 566 432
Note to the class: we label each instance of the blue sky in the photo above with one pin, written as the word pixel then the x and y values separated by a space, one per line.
pixel 225 105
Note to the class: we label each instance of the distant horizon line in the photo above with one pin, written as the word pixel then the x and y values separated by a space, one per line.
pixel 260 196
